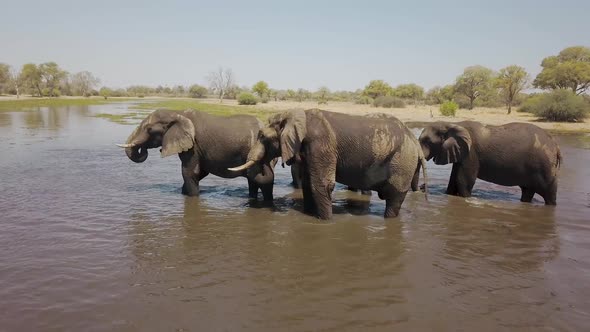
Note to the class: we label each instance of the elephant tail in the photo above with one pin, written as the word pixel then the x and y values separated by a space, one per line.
pixel 559 158
pixel 423 164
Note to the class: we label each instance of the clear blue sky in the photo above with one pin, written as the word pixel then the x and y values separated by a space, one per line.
pixel 340 44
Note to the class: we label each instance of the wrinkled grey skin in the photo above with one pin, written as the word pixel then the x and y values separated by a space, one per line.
pixel 205 144
pixel 296 175
pixel 515 154
pixel 361 152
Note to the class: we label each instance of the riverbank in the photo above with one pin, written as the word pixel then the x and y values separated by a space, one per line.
pixel 412 115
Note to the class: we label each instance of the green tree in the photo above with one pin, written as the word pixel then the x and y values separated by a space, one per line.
pixel 105 92
pixel 260 88
pixel 4 77
pixel 31 78
pixel 474 81
pixel 302 95
pixel 511 81
pixel 570 69
pixel 197 91
pixel 52 76
pixel 409 91
pixel 322 95
pixel 377 88
pixel 291 94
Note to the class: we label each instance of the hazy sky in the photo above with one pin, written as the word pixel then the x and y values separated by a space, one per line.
pixel 290 44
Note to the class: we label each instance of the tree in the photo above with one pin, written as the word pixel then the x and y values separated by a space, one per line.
pixel 31 78
pixel 16 81
pixel 511 81
pixel 83 83
pixel 570 69
pixel 409 91
pixel 260 88
pixel 291 94
pixel 4 77
pixel 377 88
pixel 51 75
pixel 197 91
pixel 434 96
pixel 105 92
pixel 220 81
pixel 302 95
pixel 323 94
pixel 473 82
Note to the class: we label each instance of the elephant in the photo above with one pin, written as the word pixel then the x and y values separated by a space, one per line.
pixel 514 154
pixel 205 144
pixel 366 153
pixel 296 175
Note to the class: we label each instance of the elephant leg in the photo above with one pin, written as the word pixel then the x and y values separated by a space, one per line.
pixel 527 194
pixel 252 189
pixel 549 194
pixel 394 204
pixel 462 180
pixel 190 169
pixel 267 192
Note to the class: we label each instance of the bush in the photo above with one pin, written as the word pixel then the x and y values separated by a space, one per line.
pixel 389 102
pixel 559 105
pixel 246 98
pixel 264 100
pixel 448 108
pixel 197 91
pixel 363 100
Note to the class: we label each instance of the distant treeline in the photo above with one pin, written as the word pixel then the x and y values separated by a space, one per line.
pixel 476 86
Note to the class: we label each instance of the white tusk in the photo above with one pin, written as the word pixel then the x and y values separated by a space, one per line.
pixel 124 146
pixel 247 165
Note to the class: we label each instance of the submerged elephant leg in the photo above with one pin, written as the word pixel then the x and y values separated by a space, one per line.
pixel 462 180
pixel 527 194
pixel 549 194
pixel 416 179
pixel 190 173
pixel 252 189
pixel 394 204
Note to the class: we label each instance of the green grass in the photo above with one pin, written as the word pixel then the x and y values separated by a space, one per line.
pixel 218 109
pixel 34 103
pixel 122 118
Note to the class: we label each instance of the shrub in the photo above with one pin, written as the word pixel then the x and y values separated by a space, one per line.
pixel 559 105
pixel 389 102
pixel 246 98
pixel 197 91
pixel 264 100
pixel 363 100
pixel 448 108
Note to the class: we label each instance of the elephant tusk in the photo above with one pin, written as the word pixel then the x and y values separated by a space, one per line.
pixel 247 165
pixel 124 146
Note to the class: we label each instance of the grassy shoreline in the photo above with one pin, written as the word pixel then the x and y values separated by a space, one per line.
pixel 411 115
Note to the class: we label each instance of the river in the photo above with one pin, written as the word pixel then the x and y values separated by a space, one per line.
pixel 91 241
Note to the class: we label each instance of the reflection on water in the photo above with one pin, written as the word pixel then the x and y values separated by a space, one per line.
pixel 91 240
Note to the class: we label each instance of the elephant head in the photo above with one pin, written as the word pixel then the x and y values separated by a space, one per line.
pixel 282 137
pixel 445 142
pixel 172 131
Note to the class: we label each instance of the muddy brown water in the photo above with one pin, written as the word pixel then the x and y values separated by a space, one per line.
pixel 90 241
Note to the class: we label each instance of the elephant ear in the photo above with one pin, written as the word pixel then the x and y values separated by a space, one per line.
pixel 179 137
pixel 455 147
pixel 292 133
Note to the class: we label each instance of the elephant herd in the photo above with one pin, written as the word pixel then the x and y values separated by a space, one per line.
pixel 370 153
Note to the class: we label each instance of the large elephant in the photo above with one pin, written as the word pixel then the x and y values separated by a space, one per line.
pixel 515 154
pixel 366 153
pixel 205 144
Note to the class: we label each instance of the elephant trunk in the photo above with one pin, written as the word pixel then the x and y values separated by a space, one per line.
pixel 135 147
pixel 137 154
